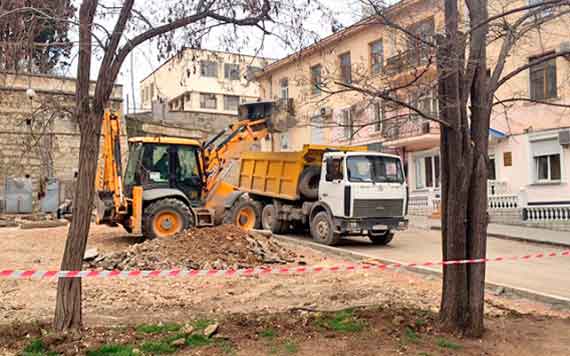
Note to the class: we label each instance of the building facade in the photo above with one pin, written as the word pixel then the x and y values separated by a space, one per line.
pixel 529 152
pixel 39 137
pixel 203 81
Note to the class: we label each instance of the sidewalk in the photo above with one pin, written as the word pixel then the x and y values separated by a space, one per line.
pixel 510 232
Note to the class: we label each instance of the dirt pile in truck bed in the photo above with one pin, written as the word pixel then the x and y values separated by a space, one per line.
pixel 219 247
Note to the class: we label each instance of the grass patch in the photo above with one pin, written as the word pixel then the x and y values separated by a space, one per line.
pixel 268 333
pixel 290 347
pixel 411 335
pixel 342 321
pixel 157 348
pixel 197 340
pixel 158 328
pixel 226 347
pixel 171 338
pixel 441 342
pixel 112 350
pixel 202 324
pixel 37 348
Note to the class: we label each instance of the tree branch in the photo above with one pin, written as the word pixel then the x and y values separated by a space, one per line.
pixel 543 102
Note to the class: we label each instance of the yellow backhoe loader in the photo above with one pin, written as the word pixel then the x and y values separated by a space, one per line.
pixel 171 183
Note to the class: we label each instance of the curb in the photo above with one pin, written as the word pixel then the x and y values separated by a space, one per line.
pixel 518 239
pixel 553 300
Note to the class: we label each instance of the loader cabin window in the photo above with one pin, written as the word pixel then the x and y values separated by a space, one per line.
pixel 374 169
pixel 156 163
pixel 543 80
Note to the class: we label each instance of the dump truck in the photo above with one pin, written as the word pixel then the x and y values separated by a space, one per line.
pixel 332 191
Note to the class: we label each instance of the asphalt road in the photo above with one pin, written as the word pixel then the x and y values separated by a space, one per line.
pixel 550 275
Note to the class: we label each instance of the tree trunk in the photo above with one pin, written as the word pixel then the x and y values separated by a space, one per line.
pixel 464 146
pixel 68 303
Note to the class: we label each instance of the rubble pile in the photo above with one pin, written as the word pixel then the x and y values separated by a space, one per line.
pixel 219 247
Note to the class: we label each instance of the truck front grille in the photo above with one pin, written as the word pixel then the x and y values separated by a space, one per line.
pixel 378 208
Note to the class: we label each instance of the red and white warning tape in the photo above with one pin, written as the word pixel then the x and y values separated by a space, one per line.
pixel 36 274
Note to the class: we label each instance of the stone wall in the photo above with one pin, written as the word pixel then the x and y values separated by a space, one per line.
pixel 38 134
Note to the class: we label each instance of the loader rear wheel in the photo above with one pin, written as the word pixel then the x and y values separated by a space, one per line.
pixel 246 214
pixel 166 218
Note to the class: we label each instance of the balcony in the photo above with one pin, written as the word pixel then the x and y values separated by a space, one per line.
pixel 407 60
pixel 410 132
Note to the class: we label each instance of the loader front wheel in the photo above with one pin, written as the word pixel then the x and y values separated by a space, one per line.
pixel 246 214
pixel 166 218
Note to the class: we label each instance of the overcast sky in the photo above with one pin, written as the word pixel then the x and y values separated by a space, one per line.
pixel 144 59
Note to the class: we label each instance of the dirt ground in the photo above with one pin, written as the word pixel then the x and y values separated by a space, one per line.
pixel 388 304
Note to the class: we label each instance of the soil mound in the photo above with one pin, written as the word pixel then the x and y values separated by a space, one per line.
pixel 220 247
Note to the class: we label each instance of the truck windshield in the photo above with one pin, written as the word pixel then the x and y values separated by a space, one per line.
pixel 374 169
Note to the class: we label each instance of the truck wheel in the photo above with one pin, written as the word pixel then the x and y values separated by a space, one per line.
pixel 246 214
pixel 309 182
pixel 381 238
pixel 322 229
pixel 267 216
pixel 166 218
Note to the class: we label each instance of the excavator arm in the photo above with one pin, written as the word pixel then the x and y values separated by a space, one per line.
pixel 110 199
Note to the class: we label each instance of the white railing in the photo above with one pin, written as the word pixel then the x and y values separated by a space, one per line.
pixel 547 212
pixel 503 201
pixel 497 187
pixel 418 202
pixel 436 202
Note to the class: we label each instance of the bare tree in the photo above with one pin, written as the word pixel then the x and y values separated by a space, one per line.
pixel 159 21
pixel 454 65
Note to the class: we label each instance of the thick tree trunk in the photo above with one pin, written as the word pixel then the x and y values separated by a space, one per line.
pixel 464 146
pixel 68 303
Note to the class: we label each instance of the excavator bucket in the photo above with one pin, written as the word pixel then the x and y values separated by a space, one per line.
pixel 278 114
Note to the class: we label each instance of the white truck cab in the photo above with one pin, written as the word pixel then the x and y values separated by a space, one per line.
pixel 365 192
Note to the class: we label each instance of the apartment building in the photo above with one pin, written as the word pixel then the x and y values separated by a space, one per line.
pixel 529 150
pixel 203 81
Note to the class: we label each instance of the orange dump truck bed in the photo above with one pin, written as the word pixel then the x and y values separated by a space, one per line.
pixel 276 174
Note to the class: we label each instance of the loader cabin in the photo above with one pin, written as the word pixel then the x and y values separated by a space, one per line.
pixel 165 162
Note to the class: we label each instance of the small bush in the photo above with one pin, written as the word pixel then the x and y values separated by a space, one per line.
pixel 112 350
pixel 441 342
pixel 342 321
pixel 157 329
pixel 290 347
pixel 157 348
pixel 268 333
pixel 198 340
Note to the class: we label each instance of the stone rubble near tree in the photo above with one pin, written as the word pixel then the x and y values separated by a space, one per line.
pixel 210 330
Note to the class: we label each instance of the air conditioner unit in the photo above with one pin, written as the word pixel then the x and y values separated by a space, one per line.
pixel 324 112
pixel 564 137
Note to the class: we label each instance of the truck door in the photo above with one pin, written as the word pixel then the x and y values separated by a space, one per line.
pixel 331 187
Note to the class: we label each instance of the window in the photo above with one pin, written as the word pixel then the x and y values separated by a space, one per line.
pixel 334 169
pixel 316 79
pixel 208 101
pixel 492 172
pixel 547 159
pixel 423 32
pixel 284 139
pixel 231 71
pixel 284 88
pixel 231 102
pixel 376 56
pixel 347 123
pixel 156 164
pixel 209 69
pixel 540 13
pixel 378 116
pixel 548 168
pixel 425 103
pixel 428 172
pixel 543 80
pixel 345 68
pixel 186 164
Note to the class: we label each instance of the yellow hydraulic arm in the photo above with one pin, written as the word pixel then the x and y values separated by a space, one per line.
pixel 109 182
